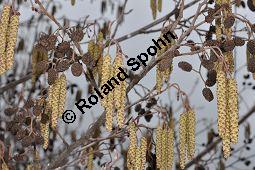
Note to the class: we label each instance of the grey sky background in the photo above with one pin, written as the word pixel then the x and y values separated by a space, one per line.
pixel 140 16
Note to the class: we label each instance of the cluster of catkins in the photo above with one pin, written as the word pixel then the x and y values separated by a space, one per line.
pixel 117 96
pixel 8 33
pixel 227 92
pixel 165 146
pixel 136 155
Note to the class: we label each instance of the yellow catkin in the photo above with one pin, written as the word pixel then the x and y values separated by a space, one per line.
pixel 191 130
pixel 143 152
pixel 3 32
pixel 132 147
pixel 221 100
pixel 90 159
pixel 170 148
pixel 182 136
pixel 11 40
pixel 159 146
pixel 57 98
pixel 164 149
pixel 105 74
pixel 62 94
pixel 44 128
pixel 138 158
pixel 100 38
pixel 226 136
pixel 109 107
pixel 233 106
pixel 119 99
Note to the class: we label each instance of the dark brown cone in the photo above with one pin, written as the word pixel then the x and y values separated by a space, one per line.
pixel 44 118
pixel 238 41
pixel 27 141
pixel 208 64
pixel 76 69
pixel 29 104
pixel 185 66
pixel 62 65
pixel 21 134
pixel 87 59
pixel 251 5
pixel 52 76
pixel 251 64
pixel 229 22
pixel 58 54
pixel 63 47
pixel 209 19
pixel 77 35
pixel 42 66
pixel 253 28
pixel 207 93
pixel 251 46
pixel 37 110
pixel 19 118
pixel 10 111
pixel 38 139
pixel 228 45
pixel 211 43
pixel 211 78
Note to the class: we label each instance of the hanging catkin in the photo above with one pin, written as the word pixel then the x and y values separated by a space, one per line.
pixel 182 136
pixel 119 91
pixel 44 128
pixel 132 147
pixel 138 158
pixel 90 159
pixel 221 100
pixel 159 146
pixel 11 40
pixel 170 147
pixel 164 148
pixel 107 101
pixel 3 32
pixel 233 106
pixel 226 135
pixel 143 152
pixel 191 129
pixel 57 98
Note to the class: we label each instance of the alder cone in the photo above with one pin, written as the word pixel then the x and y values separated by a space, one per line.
pixel 228 45
pixel 251 46
pixel 251 5
pixel 76 69
pixel 52 76
pixel 229 22
pixel 208 64
pixel 185 66
pixel 63 47
pixel 251 64
pixel 77 35
pixel 42 66
pixel 208 95
pixel 62 66
pixel 238 41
